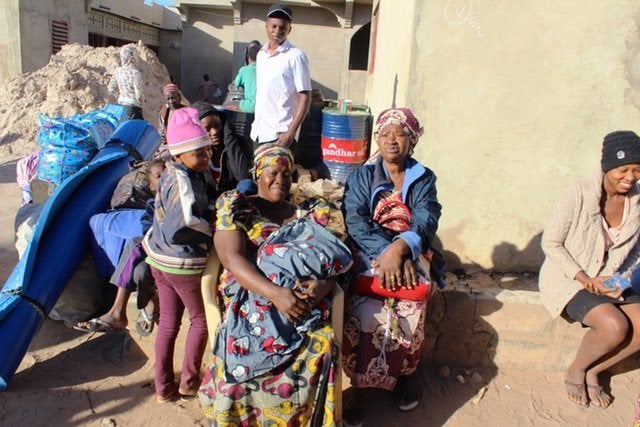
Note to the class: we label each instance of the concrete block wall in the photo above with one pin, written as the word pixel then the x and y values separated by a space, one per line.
pixel 468 327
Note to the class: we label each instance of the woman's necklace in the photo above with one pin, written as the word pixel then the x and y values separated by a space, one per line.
pixel 398 182
pixel 396 174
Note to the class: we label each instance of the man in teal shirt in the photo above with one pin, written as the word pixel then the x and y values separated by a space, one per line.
pixel 247 79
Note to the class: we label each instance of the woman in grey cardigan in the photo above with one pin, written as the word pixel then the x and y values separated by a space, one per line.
pixel 593 230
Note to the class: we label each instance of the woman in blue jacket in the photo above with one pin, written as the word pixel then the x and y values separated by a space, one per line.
pixel 391 213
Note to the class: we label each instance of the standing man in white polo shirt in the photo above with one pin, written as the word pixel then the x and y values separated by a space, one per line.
pixel 283 92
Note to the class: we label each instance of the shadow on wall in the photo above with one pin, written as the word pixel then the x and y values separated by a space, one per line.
pixel 453 262
pixel 506 257
pixel 460 348
pixel 202 54
pixel 326 92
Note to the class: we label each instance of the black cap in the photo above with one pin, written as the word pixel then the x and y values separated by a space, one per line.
pixel 280 11
pixel 205 109
pixel 620 148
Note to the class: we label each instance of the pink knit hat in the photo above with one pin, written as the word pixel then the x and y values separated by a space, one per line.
pixel 184 132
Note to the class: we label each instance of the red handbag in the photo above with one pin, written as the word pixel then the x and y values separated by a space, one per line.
pixel 370 286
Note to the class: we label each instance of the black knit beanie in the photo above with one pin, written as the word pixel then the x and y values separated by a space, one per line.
pixel 205 109
pixel 619 148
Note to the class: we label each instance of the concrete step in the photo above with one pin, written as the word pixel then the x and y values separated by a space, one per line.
pixel 485 320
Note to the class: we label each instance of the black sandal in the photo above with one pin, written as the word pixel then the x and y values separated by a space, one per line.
pixel 353 413
pixel 410 393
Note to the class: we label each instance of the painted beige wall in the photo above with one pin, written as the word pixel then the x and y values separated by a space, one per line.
pixel 318 33
pixel 388 84
pixel 9 40
pixel 35 28
pixel 515 98
pixel 354 86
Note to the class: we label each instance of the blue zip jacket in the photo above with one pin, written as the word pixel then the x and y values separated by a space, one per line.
pixel 182 230
pixel 419 194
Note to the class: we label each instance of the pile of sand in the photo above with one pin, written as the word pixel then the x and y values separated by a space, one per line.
pixel 74 81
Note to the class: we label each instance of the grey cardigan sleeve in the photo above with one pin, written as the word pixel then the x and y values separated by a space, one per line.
pixel 555 233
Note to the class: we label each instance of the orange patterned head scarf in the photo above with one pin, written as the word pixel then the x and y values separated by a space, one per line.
pixel 267 155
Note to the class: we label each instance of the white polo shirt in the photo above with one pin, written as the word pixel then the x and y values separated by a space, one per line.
pixel 279 78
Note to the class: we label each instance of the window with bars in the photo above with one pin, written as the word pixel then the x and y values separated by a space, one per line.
pixel 59 35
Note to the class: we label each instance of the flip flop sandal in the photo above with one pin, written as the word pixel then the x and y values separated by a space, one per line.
pixel 96 325
pixel 145 323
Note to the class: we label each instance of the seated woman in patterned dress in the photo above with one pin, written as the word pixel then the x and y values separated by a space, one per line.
pixel 391 213
pixel 274 359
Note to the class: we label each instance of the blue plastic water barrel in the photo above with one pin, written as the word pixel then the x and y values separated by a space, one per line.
pixel 345 141
pixel 241 121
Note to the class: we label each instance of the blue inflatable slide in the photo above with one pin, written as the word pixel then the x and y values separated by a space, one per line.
pixel 61 239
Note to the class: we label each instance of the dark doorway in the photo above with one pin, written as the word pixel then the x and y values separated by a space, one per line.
pixel 359 49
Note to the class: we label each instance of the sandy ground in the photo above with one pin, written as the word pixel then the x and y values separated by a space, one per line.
pixel 70 379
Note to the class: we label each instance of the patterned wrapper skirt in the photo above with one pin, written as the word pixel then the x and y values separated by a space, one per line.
pixel 300 393
pixel 383 340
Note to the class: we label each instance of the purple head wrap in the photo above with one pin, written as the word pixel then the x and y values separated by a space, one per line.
pixel 402 117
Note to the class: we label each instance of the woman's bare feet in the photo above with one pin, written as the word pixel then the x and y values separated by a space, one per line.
pixel 597 395
pixel 574 382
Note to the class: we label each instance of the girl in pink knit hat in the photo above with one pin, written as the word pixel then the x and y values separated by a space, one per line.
pixel 177 247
